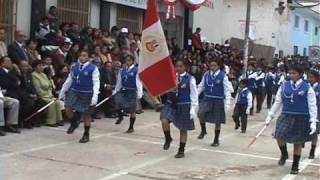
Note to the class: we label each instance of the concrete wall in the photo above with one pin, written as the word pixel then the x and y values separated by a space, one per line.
pixel 23 18
pixel 298 36
pixel 95 13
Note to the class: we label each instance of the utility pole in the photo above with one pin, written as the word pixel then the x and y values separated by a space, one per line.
pixel 247 39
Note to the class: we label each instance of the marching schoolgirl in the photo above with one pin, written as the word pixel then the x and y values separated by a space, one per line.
pixel 299 115
pixel 243 106
pixel 128 90
pixel 251 75
pixel 314 81
pixel 80 92
pixel 180 108
pixel 212 109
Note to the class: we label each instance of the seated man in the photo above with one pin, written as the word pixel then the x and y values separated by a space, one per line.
pixel 12 105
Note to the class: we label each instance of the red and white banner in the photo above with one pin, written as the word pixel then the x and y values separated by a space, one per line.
pixel 156 70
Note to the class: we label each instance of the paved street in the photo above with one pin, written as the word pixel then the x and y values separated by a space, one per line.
pixel 50 154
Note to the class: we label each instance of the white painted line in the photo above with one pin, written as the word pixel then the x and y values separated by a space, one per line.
pixel 155 161
pixel 303 165
pixel 66 142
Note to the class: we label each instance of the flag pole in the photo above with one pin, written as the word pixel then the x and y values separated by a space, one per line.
pixel 247 40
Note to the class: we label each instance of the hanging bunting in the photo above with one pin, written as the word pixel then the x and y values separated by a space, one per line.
pixel 171 9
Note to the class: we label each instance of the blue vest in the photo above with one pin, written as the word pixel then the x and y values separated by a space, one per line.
pixel 270 82
pixel 184 90
pixel 82 79
pixel 128 78
pixel 242 98
pixel 214 88
pixel 295 101
pixel 317 92
pixel 259 82
pixel 251 82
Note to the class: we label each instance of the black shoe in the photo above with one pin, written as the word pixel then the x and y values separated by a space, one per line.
pixel 61 123
pixel 11 129
pixel 84 139
pixel 243 131
pixel 52 125
pixel 202 135
pixel 130 130
pixel 28 125
pixel 166 145
pixel 311 155
pixel 2 133
pixel 120 119
pixel 215 143
pixel 294 170
pixel 179 155
pixel 236 126
pixel 283 160
pixel 71 129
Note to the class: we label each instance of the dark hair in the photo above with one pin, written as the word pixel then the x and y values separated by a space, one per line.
pixel 297 68
pixel 314 73
pixel 129 56
pixel 244 81
pixel 198 29
pixel 183 62
pixel 2 59
pixel 52 7
pixel 36 63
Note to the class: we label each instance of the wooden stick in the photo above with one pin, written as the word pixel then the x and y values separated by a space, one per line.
pixel 40 110
pixel 257 136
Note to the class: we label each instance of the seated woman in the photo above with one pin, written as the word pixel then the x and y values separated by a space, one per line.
pixel 44 88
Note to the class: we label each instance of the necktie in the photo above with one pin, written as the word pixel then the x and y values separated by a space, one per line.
pixel 81 66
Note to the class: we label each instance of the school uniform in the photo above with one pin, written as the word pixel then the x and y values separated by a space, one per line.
pixel 243 105
pixel 260 89
pixel 81 87
pixel 215 86
pixel 270 82
pixel 316 88
pixel 128 88
pixel 299 109
pixel 252 86
pixel 178 106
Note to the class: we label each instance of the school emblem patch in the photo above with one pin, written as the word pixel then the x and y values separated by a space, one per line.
pixel 301 93
pixel 86 73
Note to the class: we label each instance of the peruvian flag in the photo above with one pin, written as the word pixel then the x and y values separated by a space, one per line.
pixel 156 70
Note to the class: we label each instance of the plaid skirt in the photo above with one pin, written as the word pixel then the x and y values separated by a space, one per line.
pixel 293 129
pixel 179 115
pixel 212 111
pixel 127 100
pixel 78 101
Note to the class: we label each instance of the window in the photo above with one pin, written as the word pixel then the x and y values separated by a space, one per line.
pixel 296 21
pixel 306 26
pixel 130 18
pixel 304 51
pixel 295 50
pixel 74 11
pixel 316 31
pixel 7 18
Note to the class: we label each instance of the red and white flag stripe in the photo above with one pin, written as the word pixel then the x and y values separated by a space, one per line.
pixel 156 70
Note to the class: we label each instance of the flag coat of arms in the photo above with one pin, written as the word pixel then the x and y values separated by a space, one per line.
pixel 156 70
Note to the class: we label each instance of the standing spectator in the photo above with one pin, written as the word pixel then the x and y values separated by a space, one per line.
pixel 123 40
pixel 74 33
pixel 97 37
pixel 196 40
pixel 86 37
pixel 3 46
pixel 12 116
pixel 53 17
pixel 32 50
pixel 44 88
pixel 17 51
pixel 59 56
pixel 64 28
pixel 43 30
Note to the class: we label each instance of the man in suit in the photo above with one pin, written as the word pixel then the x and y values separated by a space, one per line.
pixel 17 51
pixel 108 82
pixel 9 80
